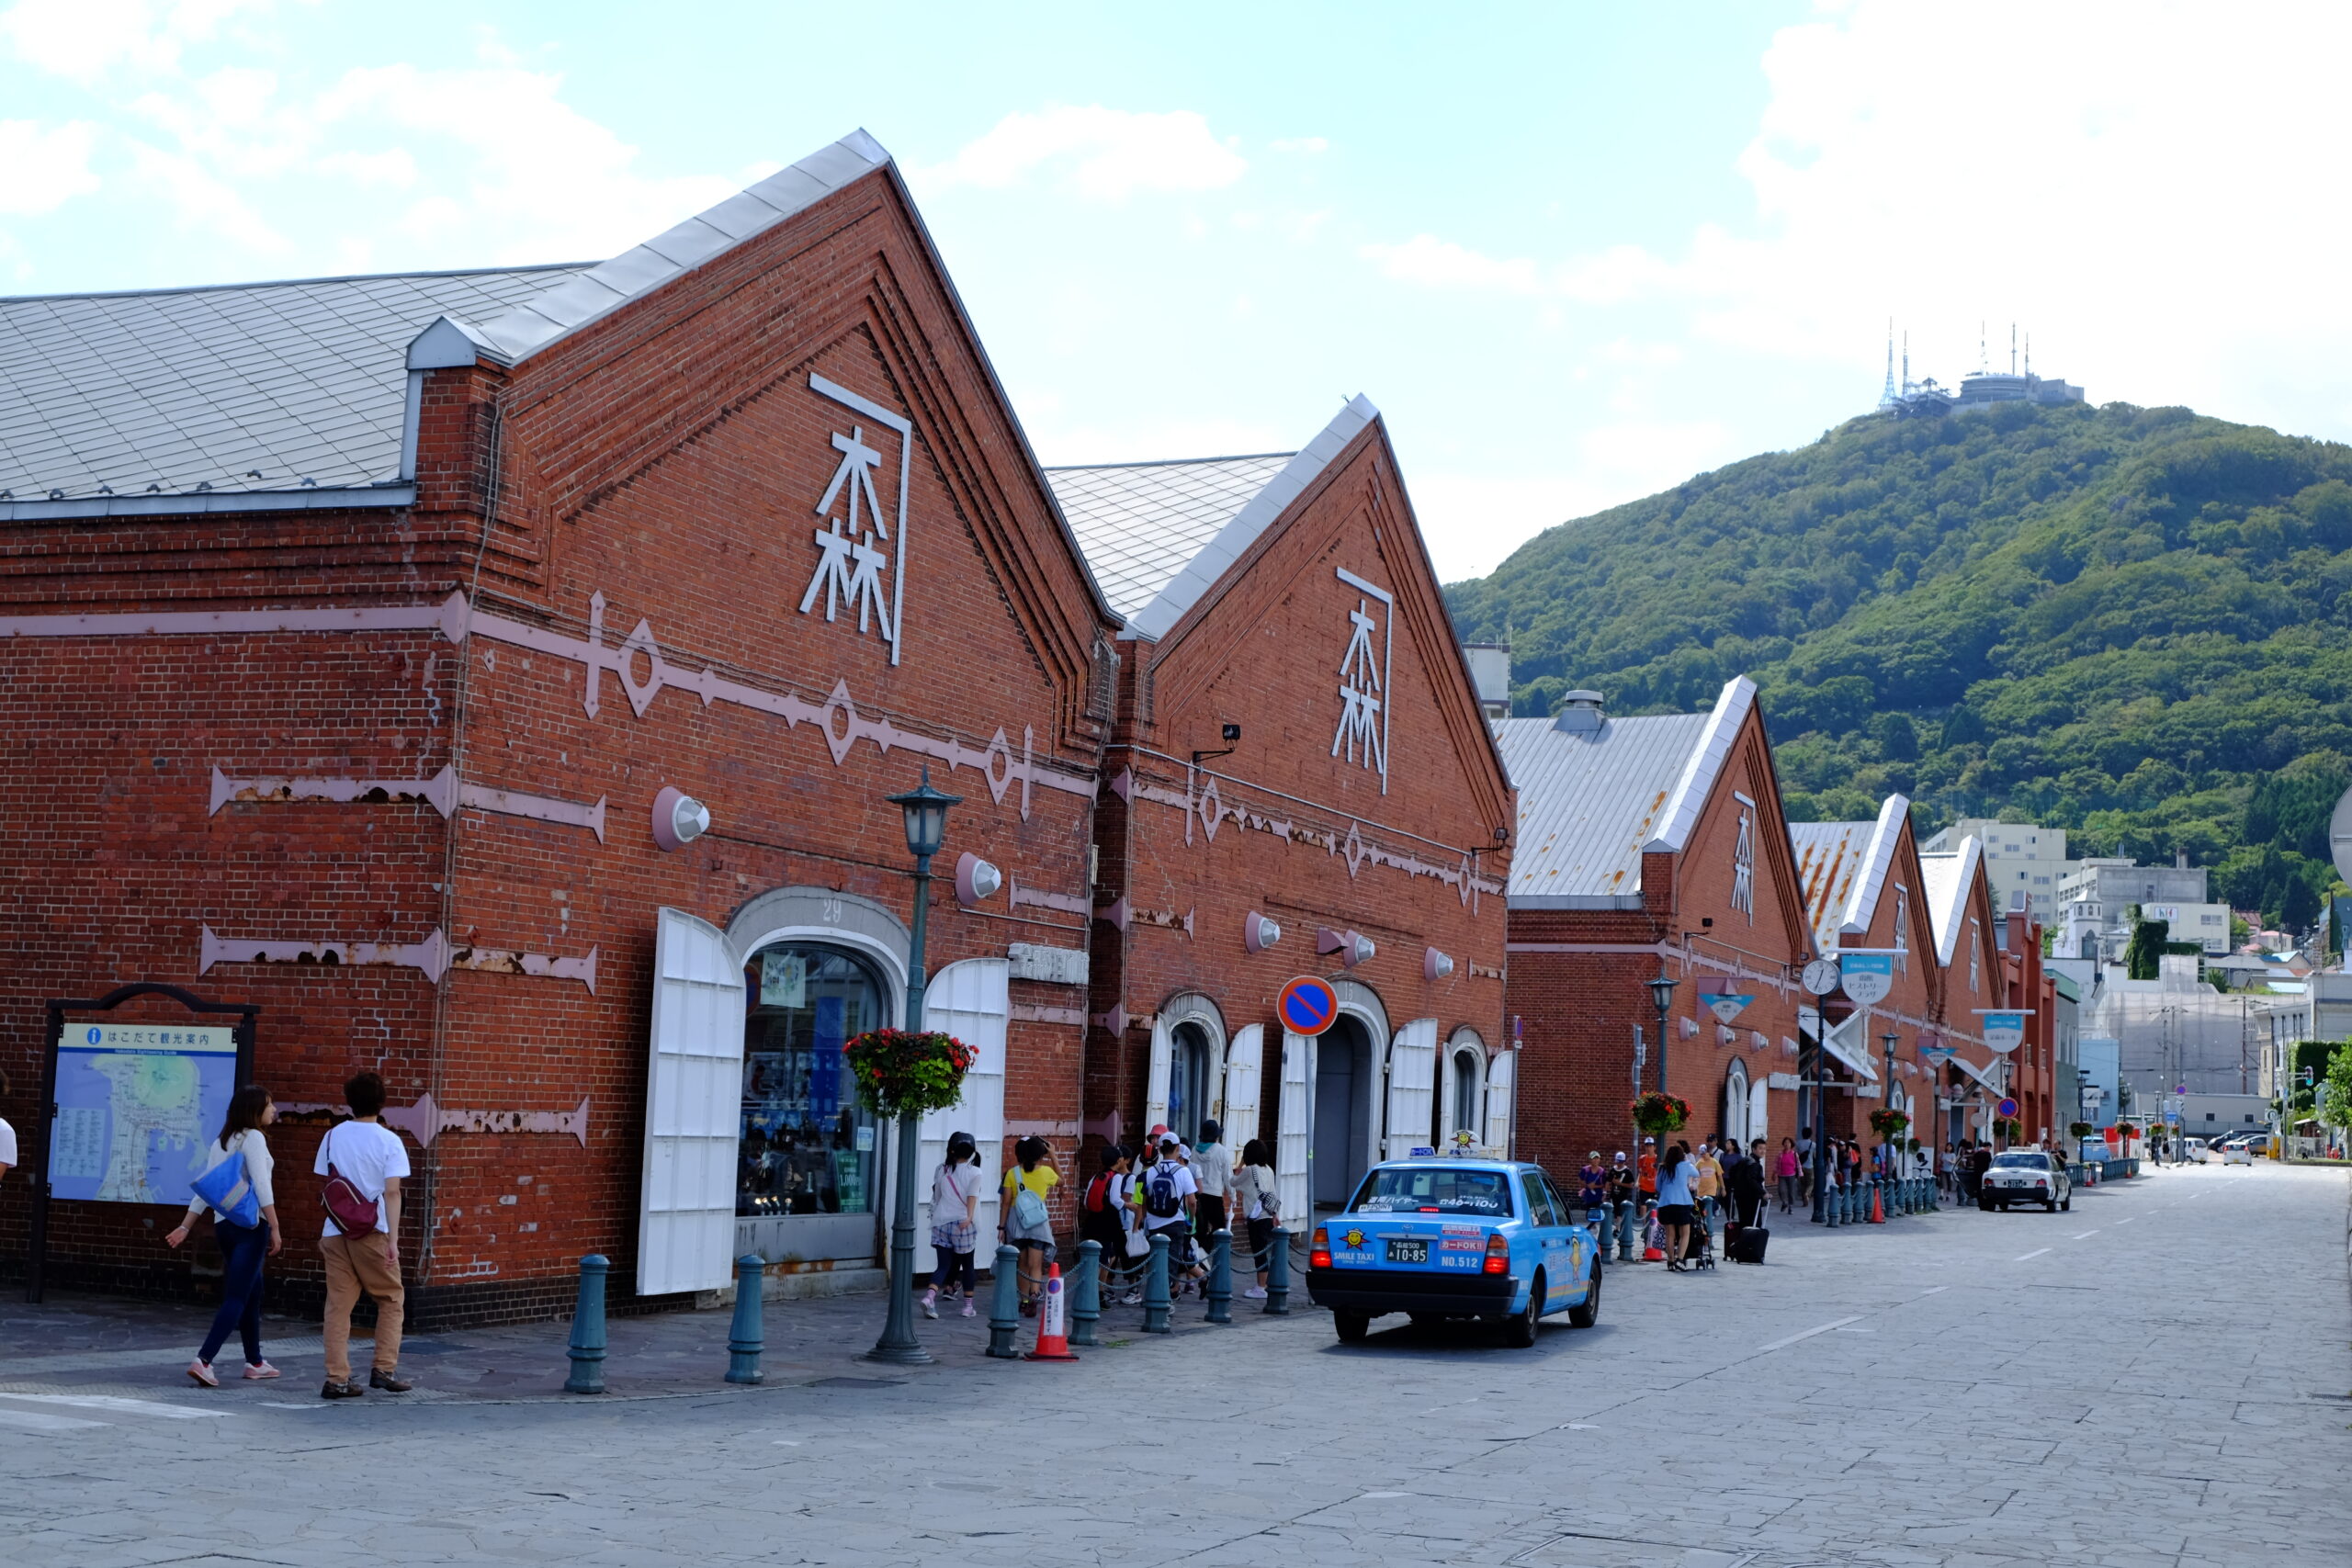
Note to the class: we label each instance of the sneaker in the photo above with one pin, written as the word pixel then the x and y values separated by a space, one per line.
pixel 929 1303
pixel 1255 1293
pixel 388 1383
pixel 260 1369
pixel 335 1389
pixel 1132 1299
pixel 969 1311
pixel 203 1374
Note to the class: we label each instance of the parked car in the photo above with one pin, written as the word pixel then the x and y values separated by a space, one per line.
pixel 1442 1238
pixel 2026 1176
pixel 2237 1151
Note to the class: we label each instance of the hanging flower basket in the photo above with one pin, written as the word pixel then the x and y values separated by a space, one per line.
pixel 2128 1129
pixel 1889 1124
pixel 2080 1128
pixel 1657 1114
pixel 907 1072
pixel 2008 1127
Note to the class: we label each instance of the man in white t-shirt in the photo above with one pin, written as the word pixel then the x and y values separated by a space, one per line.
pixel 371 1156
pixel 8 1146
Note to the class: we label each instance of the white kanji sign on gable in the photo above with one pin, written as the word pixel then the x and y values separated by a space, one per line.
pixel 1362 735
pixel 1743 861
pixel 852 561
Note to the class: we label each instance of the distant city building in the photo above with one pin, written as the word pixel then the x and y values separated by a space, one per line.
pixel 2095 895
pixel 2176 1031
pixel 2023 862
pixel 1490 674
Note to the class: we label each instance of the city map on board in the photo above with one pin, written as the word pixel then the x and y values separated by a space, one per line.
pixel 135 1103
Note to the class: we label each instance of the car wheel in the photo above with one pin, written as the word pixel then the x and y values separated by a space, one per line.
pixel 2050 1205
pixel 2069 1204
pixel 1352 1325
pixel 1519 1330
pixel 1587 1312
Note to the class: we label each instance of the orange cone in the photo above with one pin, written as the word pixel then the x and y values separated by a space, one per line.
pixel 1052 1342
pixel 1878 1215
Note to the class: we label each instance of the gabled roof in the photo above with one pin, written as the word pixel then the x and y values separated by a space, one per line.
pixel 1166 532
pixel 1140 523
pixel 1948 875
pixel 1843 867
pixel 1591 802
pixel 258 388
pixel 530 325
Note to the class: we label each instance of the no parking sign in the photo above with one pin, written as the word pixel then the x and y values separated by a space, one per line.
pixel 1308 1006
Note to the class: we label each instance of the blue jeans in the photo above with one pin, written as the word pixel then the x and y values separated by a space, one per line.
pixel 244 1248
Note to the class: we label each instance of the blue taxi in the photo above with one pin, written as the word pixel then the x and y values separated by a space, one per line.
pixel 1443 1237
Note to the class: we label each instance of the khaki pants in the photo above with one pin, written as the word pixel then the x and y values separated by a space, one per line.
pixel 356 1264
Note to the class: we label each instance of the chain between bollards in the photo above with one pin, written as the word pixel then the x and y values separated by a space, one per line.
pixel 1278 1273
pixel 746 1338
pixel 1086 1295
pixel 587 1350
pixel 1221 1277
pixel 1004 1302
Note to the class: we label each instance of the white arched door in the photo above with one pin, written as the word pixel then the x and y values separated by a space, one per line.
pixel 1502 1079
pixel 694 1110
pixel 1412 1089
pixel 1242 1066
pixel 1736 1103
pixel 970 1000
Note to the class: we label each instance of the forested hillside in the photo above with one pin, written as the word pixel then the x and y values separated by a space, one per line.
pixel 2127 621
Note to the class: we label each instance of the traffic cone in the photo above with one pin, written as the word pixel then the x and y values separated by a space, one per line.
pixel 1878 1215
pixel 1053 1343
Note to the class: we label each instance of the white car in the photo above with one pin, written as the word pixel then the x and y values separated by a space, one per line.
pixel 2236 1153
pixel 2026 1176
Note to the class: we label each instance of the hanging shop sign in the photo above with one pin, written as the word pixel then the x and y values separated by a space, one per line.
pixel 1721 995
pixel 2004 1032
pixel 1867 977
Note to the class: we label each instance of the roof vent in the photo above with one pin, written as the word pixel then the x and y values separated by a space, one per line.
pixel 1581 714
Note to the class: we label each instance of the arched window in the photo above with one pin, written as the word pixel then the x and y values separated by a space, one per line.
pixel 1736 1102
pixel 808 1146
pixel 1465 1093
pixel 1189 1058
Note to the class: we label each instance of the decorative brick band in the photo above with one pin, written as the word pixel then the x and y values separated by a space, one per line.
pixel 435 956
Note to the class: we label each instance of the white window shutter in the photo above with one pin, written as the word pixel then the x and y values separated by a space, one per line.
pixel 694 1110
pixel 1293 1129
pixel 971 1001
pixel 1412 1088
pixel 1155 1087
pixel 1243 1062
pixel 1445 1099
pixel 1735 1106
pixel 1501 1076
pixel 1760 1101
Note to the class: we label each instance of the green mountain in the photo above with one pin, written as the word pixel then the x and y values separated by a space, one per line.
pixel 2127 621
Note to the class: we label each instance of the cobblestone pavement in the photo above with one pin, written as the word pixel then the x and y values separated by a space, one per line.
pixel 2160 1377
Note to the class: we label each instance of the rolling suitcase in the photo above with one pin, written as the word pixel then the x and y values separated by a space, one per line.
pixel 1746 1245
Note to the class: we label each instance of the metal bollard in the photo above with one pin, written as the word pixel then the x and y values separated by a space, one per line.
pixel 587 1349
pixel 1155 1287
pixel 1221 1277
pixel 1278 1273
pixel 1005 1304
pixel 1086 1297
pixel 745 1338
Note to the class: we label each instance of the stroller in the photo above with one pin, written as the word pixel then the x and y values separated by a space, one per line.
pixel 1702 1243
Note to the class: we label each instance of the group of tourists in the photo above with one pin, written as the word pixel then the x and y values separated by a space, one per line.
pixel 1690 1195
pixel 1171 1188
pixel 363 1163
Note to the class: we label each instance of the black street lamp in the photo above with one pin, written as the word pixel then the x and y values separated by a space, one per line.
pixel 926 813
pixel 1662 994
pixel 1893 1145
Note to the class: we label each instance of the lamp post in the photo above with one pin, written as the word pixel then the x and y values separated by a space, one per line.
pixel 925 809
pixel 1893 1145
pixel 1662 994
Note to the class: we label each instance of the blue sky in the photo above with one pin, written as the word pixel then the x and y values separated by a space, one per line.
pixel 1575 252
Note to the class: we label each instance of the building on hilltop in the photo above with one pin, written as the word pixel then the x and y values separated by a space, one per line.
pixel 1985 387
pixel 2096 894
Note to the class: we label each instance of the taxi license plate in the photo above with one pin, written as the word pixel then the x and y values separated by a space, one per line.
pixel 1409 1252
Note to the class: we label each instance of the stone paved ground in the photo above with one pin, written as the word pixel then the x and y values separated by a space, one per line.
pixel 2160 1377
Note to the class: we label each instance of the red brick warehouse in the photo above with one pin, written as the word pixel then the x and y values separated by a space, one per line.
pixel 364 684
pixel 1652 846
pixel 1299 782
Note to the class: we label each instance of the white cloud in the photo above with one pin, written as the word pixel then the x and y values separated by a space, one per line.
pixel 1433 263
pixel 87 40
pixel 1300 144
pixel 40 170
pixel 1110 154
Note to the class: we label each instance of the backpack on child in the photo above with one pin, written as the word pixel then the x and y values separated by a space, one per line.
pixel 1159 1197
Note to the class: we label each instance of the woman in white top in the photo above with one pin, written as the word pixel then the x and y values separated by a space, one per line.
pixel 954 1189
pixel 1253 1191
pixel 243 1248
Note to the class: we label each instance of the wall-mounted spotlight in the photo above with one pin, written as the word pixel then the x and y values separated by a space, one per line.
pixel 1435 966
pixel 975 879
pixel 1257 932
pixel 678 819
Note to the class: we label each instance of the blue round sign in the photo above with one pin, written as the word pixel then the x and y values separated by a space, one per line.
pixel 1308 1006
pixel 95 1035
